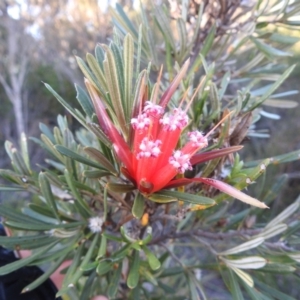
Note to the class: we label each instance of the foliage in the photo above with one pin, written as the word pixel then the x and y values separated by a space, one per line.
pixel 127 240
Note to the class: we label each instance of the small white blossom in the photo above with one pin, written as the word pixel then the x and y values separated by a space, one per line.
pixel 95 224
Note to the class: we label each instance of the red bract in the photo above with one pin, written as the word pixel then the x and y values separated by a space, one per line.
pixel 153 160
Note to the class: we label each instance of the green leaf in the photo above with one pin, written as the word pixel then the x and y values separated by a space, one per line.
pixel 253 243
pixel 250 262
pixel 268 50
pixel 274 86
pixel 74 277
pixel 272 291
pixel 235 287
pixel 102 248
pixel 45 275
pixel 25 261
pixel 86 291
pixel 189 198
pixel 34 226
pixel 246 278
pixel 138 206
pixel 163 22
pixel 95 173
pixel 97 72
pixel 69 153
pixel 120 187
pixel 134 275
pixel 65 105
pixel 152 259
pixel 99 157
pixel 11 214
pixel 95 128
pixel 44 129
pixel 26 242
pixel 24 151
pixel 269 232
pixel 113 85
pixel 128 55
pixel 40 216
pixel 84 101
pixel 47 193
pixel 82 205
pixel 208 41
pixel 104 267
pixel 12 188
pixel 114 282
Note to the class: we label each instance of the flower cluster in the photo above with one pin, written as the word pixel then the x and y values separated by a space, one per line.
pixel 150 158
pixel 155 160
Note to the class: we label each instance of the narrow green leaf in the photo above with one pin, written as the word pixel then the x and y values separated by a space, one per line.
pixel 250 262
pixel 97 72
pixel 152 259
pixel 113 85
pixel 128 54
pixel 19 163
pixel 47 193
pixel 69 153
pixel 138 206
pixel 95 128
pixel 82 204
pixel 41 226
pixel 72 269
pixel 11 214
pixel 269 232
pixel 244 247
pixel 104 267
pixel 25 261
pixel 208 41
pixel 40 217
pixel 84 101
pixel 190 198
pixel 114 282
pixel 45 275
pixel 100 157
pixel 272 291
pixel 134 275
pixel 24 151
pixel 74 277
pixel 44 129
pixel 95 173
pixel 102 248
pixel 86 291
pixel 235 287
pixel 12 188
pixel 267 49
pixel 65 104
pixel 244 276
pixel 274 86
pixel 120 188
pixel 26 242
pixel 163 22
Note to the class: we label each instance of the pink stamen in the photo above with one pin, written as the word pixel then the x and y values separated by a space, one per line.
pixel 149 148
pixel 180 161
pixel 177 120
pixel 197 139
pixel 141 122
pixel 153 109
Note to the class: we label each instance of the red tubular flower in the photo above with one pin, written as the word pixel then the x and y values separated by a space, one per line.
pixel 153 161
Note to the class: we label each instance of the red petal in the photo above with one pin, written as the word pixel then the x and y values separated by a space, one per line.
pixel 202 157
pixel 120 146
